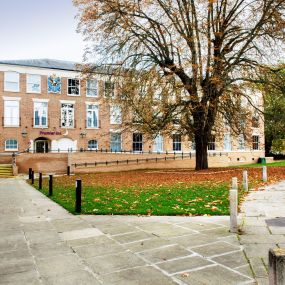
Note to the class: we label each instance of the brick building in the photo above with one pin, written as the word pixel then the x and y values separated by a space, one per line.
pixel 47 107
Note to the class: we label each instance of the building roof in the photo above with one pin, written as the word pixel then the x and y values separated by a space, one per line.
pixel 44 63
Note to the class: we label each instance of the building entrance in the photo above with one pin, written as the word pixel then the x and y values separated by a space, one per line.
pixel 42 145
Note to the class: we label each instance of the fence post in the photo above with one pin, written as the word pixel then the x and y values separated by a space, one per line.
pixel 68 170
pixel 33 177
pixel 233 210
pixel 277 266
pixel 50 185
pixel 30 173
pixel 78 196
pixel 40 180
pixel 234 183
pixel 264 173
pixel 245 180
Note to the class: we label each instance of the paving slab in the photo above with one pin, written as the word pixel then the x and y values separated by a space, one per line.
pixel 232 260
pixel 132 237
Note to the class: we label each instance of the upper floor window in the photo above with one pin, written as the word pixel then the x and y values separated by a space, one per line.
pixel 177 142
pixel 33 83
pixel 11 81
pixel 40 114
pixel 92 116
pixel 255 142
pixel 92 88
pixel 11 145
pixel 109 89
pixel 11 113
pixel 115 115
pixel 67 115
pixel 255 121
pixel 73 87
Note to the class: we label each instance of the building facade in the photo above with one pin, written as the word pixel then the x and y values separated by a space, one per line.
pixel 47 107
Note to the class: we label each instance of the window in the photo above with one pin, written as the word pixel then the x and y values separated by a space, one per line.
pixel 11 144
pixel 255 142
pixel 255 121
pixel 73 87
pixel 227 142
pixel 115 115
pixel 109 89
pixel 241 142
pixel 137 142
pixel 67 115
pixel 40 114
pixel 116 142
pixel 92 145
pixel 33 83
pixel 212 143
pixel 158 143
pixel 176 142
pixel 92 116
pixel 92 88
pixel 11 81
pixel 11 113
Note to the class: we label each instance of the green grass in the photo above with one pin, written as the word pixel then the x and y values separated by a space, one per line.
pixel 179 199
pixel 277 163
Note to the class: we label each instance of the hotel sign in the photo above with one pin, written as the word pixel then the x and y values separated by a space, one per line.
pixel 47 133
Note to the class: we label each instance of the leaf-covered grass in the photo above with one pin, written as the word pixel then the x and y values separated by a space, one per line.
pixel 277 163
pixel 178 199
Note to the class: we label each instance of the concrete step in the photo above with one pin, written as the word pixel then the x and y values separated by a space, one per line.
pixel 6 170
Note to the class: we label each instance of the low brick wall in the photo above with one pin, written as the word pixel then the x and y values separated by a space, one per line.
pixel 6 158
pixel 42 162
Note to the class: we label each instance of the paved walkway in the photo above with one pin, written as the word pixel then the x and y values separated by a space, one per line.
pixel 41 243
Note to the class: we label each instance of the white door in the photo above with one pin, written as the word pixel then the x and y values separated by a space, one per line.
pixel 158 143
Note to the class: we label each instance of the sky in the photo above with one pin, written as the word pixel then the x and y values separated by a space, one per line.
pixel 33 29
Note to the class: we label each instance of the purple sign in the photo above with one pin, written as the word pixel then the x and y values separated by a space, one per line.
pixel 50 133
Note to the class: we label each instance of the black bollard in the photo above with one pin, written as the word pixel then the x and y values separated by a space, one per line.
pixel 50 186
pixel 40 180
pixel 33 177
pixel 78 196
pixel 30 173
pixel 68 170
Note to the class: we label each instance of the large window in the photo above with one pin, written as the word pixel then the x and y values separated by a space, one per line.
pixel 116 142
pixel 11 145
pixel 40 114
pixel 176 142
pixel 227 142
pixel 158 143
pixel 92 116
pixel 67 115
pixel 109 89
pixel 255 142
pixel 11 113
pixel 73 87
pixel 92 88
pixel 137 142
pixel 115 115
pixel 33 83
pixel 92 145
pixel 11 81
pixel 212 143
pixel 241 142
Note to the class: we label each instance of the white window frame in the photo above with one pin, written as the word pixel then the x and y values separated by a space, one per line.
pixel 227 142
pixel 115 115
pixel 6 81
pixel 115 133
pixel 73 120
pixel 137 142
pixel 28 83
pixel 11 149
pixel 11 99
pixel 158 139
pixel 241 142
pixel 255 143
pixel 176 142
pixel 72 94
pixel 97 89
pixel 92 148
pixel 92 110
pixel 41 125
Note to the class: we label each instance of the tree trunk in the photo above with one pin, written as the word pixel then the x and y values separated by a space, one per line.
pixel 201 141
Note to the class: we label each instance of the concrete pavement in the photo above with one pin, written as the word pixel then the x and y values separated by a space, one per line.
pixel 41 243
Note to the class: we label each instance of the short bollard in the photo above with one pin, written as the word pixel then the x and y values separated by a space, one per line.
pixel 78 196
pixel 233 210
pixel 264 173
pixel 50 185
pixel 234 183
pixel 33 177
pixel 40 180
pixel 68 170
pixel 30 173
pixel 277 266
pixel 245 180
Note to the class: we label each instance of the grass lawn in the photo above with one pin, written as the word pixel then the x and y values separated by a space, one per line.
pixel 156 192
pixel 277 163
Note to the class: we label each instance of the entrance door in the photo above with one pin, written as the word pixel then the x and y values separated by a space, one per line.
pixel 41 146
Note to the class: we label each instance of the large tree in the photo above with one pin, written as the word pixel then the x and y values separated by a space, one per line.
pixel 204 50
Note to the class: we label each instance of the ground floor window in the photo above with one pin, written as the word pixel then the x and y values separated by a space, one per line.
pixel 212 143
pixel 255 142
pixel 227 142
pixel 116 142
pixel 176 142
pixel 158 143
pixel 92 145
pixel 11 145
pixel 241 142
pixel 137 142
